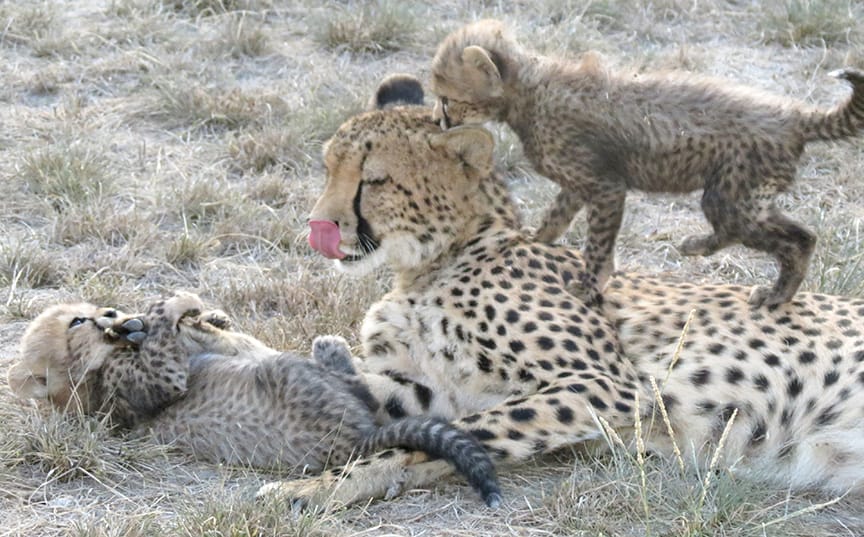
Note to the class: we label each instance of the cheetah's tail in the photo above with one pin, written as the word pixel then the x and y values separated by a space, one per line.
pixel 443 440
pixel 844 120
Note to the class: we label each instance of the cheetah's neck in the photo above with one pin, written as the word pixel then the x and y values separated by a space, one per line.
pixel 494 218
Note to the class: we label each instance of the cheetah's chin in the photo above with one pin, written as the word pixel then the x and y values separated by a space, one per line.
pixel 400 252
pixel 360 265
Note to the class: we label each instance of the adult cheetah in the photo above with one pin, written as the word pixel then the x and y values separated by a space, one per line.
pixel 600 133
pixel 221 395
pixel 479 328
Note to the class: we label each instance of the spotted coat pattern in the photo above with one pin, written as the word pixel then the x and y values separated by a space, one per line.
pixel 221 395
pixel 480 328
pixel 600 133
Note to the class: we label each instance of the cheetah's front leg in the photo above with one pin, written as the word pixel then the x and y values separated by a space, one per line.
pixel 562 414
pixel 383 475
pixel 605 213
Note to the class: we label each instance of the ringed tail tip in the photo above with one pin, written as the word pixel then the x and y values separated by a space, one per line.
pixel 493 500
pixel 852 75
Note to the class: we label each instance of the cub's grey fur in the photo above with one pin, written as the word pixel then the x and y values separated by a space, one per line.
pixel 224 396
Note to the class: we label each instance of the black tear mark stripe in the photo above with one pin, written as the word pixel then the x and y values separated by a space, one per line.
pixel 365 235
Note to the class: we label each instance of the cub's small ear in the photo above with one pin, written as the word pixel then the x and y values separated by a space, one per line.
pixel 472 145
pixel 397 89
pixel 22 382
pixel 481 67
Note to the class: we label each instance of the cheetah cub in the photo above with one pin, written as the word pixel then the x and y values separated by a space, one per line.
pixel 183 376
pixel 599 133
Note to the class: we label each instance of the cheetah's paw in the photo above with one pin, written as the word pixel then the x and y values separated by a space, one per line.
pixel 299 493
pixel 584 288
pixel 218 319
pixel 183 304
pixel 762 295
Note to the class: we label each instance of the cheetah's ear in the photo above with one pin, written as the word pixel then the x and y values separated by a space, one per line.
pixel 481 67
pixel 472 145
pixel 397 89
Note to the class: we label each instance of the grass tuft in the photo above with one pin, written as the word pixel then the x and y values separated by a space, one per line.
pixel 27 263
pixel 288 309
pixel 631 492
pixel 837 267
pixel 244 517
pixel 189 249
pixel 66 176
pixel 184 103
pixel 70 446
pixel 810 22
pixel 374 27
pixel 138 526
pixel 200 201
pixel 272 146
pixel 244 36
pixel 207 8
pixel 36 25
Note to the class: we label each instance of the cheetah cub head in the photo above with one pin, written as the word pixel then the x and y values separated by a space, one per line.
pixel 61 351
pixel 469 73
pixel 398 187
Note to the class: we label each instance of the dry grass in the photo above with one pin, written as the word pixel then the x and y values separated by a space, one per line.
pixel 811 22
pixel 372 27
pixel 149 145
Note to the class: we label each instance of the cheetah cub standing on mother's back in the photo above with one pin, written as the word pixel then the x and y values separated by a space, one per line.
pixel 599 133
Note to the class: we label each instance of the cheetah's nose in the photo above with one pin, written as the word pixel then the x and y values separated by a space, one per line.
pixel 324 238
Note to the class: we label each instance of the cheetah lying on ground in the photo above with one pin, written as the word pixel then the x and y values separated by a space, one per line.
pixel 223 395
pixel 479 328
pixel 598 133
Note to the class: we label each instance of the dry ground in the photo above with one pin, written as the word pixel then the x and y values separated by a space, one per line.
pixel 148 145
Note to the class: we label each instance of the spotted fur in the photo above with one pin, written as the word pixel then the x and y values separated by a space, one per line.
pixel 479 327
pixel 599 133
pixel 223 395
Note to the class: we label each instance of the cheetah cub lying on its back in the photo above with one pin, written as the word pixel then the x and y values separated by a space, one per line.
pixel 599 133
pixel 223 395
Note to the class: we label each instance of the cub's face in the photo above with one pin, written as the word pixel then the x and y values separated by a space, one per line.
pixel 451 111
pixel 398 189
pixel 466 78
pixel 60 351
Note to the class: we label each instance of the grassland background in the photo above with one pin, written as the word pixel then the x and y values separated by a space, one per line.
pixel 150 145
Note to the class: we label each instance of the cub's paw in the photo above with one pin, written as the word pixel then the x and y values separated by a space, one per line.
pixel 218 319
pixel 584 288
pixel 121 328
pixel 693 245
pixel 333 353
pixel 762 295
pixel 179 306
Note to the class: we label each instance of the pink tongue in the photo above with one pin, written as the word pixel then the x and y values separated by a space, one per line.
pixel 324 238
